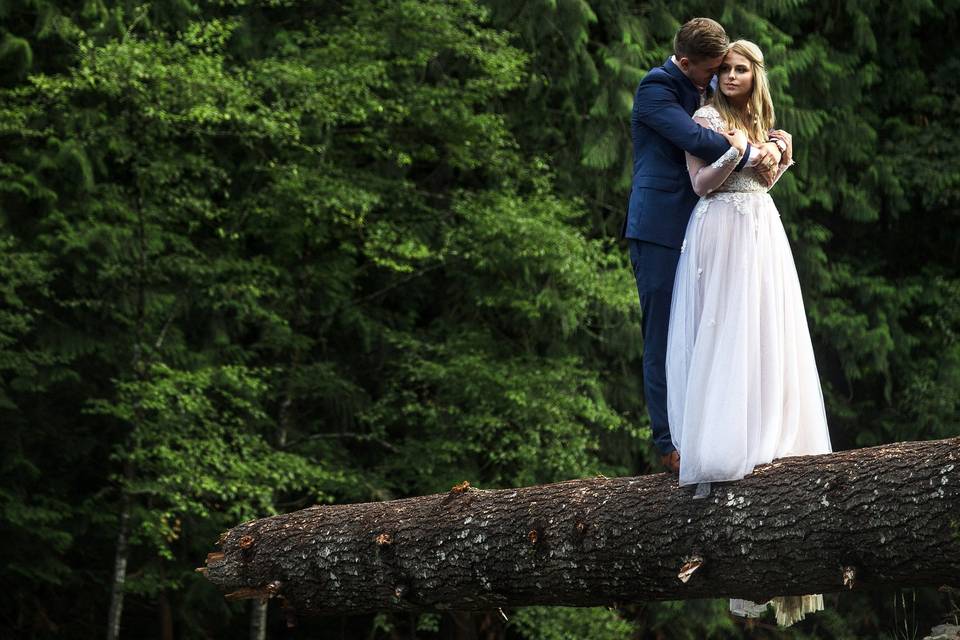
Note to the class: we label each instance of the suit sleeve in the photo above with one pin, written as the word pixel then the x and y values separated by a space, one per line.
pixel 658 106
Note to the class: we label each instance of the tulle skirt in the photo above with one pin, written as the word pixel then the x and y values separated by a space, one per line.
pixel 742 383
pixel 788 609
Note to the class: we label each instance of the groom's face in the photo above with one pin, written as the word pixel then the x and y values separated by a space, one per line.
pixel 701 71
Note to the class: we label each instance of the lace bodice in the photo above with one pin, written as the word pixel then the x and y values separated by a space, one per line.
pixel 746 179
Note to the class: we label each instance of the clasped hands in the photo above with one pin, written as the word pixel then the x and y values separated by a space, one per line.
pixel 769 156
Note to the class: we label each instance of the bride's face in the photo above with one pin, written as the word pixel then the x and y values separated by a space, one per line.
pixel 735 77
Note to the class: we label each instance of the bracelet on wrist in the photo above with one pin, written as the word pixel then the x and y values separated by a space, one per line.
pixel 778 143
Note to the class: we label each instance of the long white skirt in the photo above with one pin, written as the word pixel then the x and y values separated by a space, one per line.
pixel 742 383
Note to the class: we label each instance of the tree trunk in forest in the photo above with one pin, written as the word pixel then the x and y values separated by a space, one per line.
pixel 166 617
pixel 258 607
pixel 138 366
pixel 119 572
pixel 860 519
pixel 258 619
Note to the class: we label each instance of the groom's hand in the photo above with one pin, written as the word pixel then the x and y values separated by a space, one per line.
pixel 768 162
pixel 780 134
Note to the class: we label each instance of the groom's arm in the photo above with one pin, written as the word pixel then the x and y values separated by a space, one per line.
pixel 658 106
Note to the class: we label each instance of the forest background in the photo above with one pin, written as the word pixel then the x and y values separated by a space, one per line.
pixel 260 255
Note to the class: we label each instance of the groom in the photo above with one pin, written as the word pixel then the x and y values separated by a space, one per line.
pixel 662 198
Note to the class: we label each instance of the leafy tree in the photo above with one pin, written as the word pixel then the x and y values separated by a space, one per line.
pixel 256 255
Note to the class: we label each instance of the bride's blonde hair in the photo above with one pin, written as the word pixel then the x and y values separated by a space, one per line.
pixel 758 117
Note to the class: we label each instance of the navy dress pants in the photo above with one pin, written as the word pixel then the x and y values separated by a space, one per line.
pixel 654 267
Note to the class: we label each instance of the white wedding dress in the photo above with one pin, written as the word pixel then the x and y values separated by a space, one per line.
pixel 742 383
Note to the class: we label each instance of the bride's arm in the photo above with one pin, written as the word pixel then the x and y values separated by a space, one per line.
pixel 707 177
pixel 781 170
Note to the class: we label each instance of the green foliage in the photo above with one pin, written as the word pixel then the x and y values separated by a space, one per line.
pixel 199 443
pixel 566 623
pixel 259 255
pixel 497 418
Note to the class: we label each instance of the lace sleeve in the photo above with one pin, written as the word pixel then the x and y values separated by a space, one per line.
pixel 707 177
pixel 712 117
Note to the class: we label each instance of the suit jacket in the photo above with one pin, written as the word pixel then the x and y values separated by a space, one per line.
pixel 662 196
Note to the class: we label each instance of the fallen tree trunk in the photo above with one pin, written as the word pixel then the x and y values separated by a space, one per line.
pixel 882 516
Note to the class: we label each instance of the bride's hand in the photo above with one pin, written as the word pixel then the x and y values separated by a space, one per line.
pixel 737 139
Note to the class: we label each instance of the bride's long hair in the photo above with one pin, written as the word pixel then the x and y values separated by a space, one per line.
pixel 758 117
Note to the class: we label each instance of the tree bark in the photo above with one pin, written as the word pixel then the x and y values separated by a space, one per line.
pixel 258 619
pixel 860 519
pixel 119 572
pixel 166 617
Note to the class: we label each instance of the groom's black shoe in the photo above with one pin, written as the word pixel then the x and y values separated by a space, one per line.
pixel 671 461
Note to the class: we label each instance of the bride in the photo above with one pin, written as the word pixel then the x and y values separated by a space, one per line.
pixel 742 383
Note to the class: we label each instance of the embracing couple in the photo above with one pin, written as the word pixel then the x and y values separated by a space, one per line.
pixel 728 368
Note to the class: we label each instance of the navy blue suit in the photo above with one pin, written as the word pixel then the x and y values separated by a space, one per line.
pixel 661 200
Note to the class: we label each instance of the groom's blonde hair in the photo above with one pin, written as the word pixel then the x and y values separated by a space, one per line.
pixel 758 117
pixel 700 38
